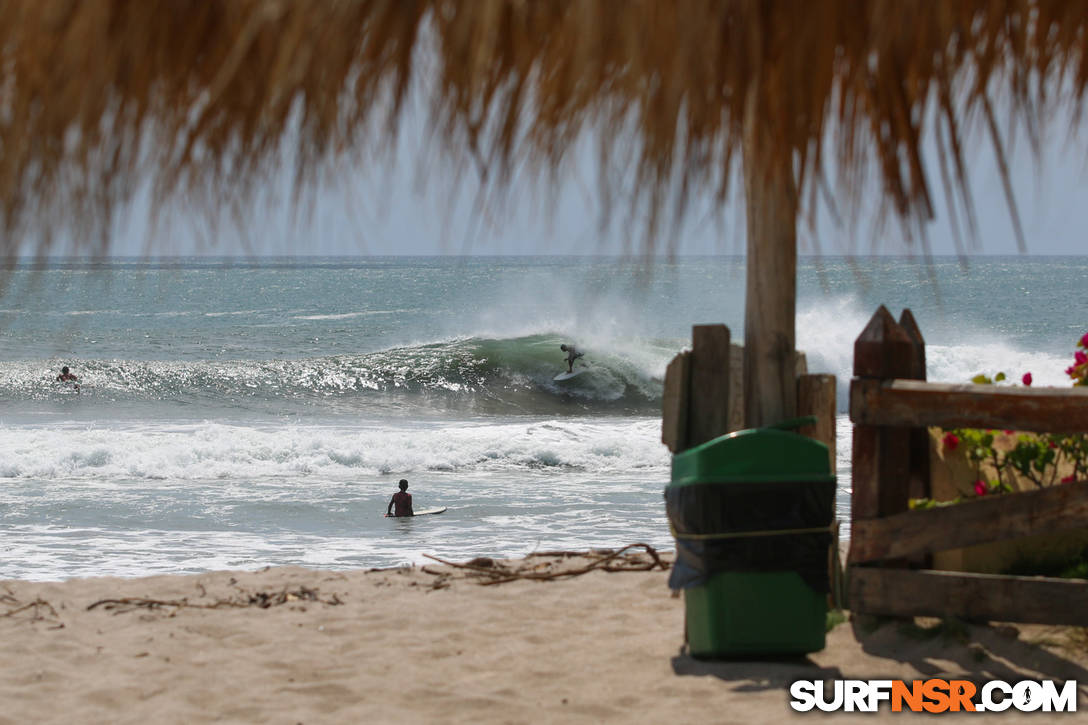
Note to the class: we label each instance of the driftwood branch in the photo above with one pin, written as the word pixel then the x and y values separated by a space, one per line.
pixel 262 600
pixel 41 611
pixel 498 574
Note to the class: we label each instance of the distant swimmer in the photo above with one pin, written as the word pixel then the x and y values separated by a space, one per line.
pixel 68 377
pixel 572 355
pixel 402 500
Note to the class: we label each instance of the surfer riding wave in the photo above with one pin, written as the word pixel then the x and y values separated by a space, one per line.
pixel 572 355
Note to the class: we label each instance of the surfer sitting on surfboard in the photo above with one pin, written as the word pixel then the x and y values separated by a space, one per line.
pixel 402 500
pixel 572 355
pixel 67 377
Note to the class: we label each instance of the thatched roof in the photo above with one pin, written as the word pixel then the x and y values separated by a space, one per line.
pixel 207 98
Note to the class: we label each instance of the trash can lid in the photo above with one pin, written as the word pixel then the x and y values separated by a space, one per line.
pixel 760 454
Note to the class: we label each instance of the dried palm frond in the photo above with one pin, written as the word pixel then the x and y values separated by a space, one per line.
pixel 206 99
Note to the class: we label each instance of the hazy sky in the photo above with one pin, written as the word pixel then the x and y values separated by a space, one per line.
pixel 384 210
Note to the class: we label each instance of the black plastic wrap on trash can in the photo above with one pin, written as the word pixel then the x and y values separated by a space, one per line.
pixel 751 527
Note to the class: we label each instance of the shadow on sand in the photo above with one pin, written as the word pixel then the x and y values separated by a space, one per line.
pixel 889 648
pixel 976 651
pixel 754 674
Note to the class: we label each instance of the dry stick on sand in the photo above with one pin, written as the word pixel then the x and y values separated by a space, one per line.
pixel 263 600
pixel 501 576
pixel 127 604
pixel 37 605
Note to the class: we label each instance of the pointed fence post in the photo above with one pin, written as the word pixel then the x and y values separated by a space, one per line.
pixel 881 456
pixel 919 437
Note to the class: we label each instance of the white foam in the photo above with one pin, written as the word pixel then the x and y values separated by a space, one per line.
pixel 239 312
pixel 235 452
pixel 960 363
pixel 345 315
pixel 826 332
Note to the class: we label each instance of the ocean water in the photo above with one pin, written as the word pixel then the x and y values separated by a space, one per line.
pixel 238 414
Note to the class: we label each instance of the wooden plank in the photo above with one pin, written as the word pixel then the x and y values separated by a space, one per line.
pixel 865 475
pixel 674 403
pixel 816 396
pixel 908 593
pixel 708 396
pixel 736 387
pixel 1008 516
pixel 918 404
pixel 894 471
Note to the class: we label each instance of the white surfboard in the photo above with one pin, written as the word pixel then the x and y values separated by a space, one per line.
pixel 424 512
pixel 567 376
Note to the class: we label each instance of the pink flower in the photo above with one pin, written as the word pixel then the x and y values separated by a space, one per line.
pixel 1052 444
pixel 1084 341
pixel 1026 379
pixel 1080 357
pixel 950 441
pixel 1069 479
pixel 1071 371
pixel 1009 432
pixel 981 488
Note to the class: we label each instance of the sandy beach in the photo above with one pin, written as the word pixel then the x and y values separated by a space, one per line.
pixel 431 644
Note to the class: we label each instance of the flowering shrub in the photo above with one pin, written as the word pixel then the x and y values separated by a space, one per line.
pixel 1078 371
pixel 1034 457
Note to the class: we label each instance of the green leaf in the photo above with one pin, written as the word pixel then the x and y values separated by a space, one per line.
pixel 981 379
pixel 999 377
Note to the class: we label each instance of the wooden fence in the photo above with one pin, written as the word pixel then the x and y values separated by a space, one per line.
pixel 891 405
pixel 703 396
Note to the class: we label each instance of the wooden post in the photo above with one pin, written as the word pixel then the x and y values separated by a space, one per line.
pixel 708 404
pixel 919 437
pixel 696 400
pixel 736 387
pixel 881 456
pixel 674 403
pixel 816 396
pixel 770 385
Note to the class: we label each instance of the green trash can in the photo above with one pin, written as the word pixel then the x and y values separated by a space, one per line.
pixel 752 513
